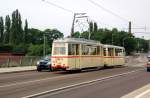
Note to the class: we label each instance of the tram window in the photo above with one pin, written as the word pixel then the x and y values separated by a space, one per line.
pixel 104 51
pixel 118 52
pixel 85 50
pixel 101 51
pixel 73 49
pixel 124 52
pixel 77 49
pixel 110 52
pixel 59 50
pixel 98 50
pixel 93 51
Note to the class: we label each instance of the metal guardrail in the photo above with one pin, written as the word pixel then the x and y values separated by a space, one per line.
pixel 16 61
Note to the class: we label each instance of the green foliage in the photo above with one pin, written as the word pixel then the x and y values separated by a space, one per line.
pixel 52 35
pixel 37 50
pixel 1 30
pixel 119 38
pixel 25 31
pixel 141 45
pixel 25 40
pixel 76 35
pixel 95 28
pixel 91 27
pixel 16 28
pixel 21 48
pixel 6 48
pixel 130 45
pixel 34 36
pixel 7 30
pixel 31 40
pixel 85 34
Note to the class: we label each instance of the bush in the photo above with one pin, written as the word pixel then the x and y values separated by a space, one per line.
pixel 19 49
pixel 6 48
pixel 37 50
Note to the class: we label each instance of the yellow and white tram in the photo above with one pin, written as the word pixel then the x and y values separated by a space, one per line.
pixel 77 54
pixel 113 55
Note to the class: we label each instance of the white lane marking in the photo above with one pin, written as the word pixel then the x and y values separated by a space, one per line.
pixel 79 84
pixel 142 94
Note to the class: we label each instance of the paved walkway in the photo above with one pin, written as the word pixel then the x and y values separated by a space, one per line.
pixel 17 69
pixel 143 92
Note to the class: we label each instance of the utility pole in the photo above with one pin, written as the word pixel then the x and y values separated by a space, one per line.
pixel 129 27
pixel 76 16
pixel 89 36
pixel 44 45
pixel 72 28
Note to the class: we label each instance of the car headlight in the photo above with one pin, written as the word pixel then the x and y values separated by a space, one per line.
pixel 48 63
pixel 38 62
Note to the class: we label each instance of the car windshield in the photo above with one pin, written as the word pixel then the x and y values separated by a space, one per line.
pixel 47 58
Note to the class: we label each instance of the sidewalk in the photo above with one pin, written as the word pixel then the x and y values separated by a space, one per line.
pixel 17 69
pixel 143 92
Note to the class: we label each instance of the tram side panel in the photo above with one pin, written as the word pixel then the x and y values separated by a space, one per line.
pixel 113 56
pixel 85 59
pixel 119 57
pixel 91 56
pixel 108 58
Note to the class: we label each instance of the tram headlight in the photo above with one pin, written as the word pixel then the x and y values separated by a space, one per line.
pixel 38 63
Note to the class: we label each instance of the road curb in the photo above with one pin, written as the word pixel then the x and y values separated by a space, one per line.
pixel 17 69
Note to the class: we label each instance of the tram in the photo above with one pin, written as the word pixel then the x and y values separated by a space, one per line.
pixel 79 53
pixel 114 55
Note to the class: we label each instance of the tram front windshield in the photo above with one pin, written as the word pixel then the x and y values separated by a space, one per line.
pixel 59 49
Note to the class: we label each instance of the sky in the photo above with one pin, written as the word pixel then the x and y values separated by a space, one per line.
pixel 42 15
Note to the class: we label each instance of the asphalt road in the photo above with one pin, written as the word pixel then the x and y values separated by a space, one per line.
pixel 17 85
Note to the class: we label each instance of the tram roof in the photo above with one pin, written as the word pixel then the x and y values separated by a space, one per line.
pixel 112 46
pixel 78 40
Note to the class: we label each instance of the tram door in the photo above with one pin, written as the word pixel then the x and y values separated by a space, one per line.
pixel 74 51
pixel 77 59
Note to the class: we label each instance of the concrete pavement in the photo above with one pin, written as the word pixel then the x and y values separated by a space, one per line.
pixel 143 92
pixel 17 69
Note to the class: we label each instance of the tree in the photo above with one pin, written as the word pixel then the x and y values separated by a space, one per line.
pixel 16 28
pixel 7 30
pixel 130 45
pixel 76 35
pixel 1 30
pixel 35 50
pixel 25 31
pixel 90 29
pixel 85 34
pixel 95 28
pixel 35 36
pixel 52 35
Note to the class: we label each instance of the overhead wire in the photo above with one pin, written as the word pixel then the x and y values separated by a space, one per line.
pixel 58 6
pixel 70 11
pixel 107 10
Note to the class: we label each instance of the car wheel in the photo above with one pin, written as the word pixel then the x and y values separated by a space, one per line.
pixel 38 69
pixel 148 69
